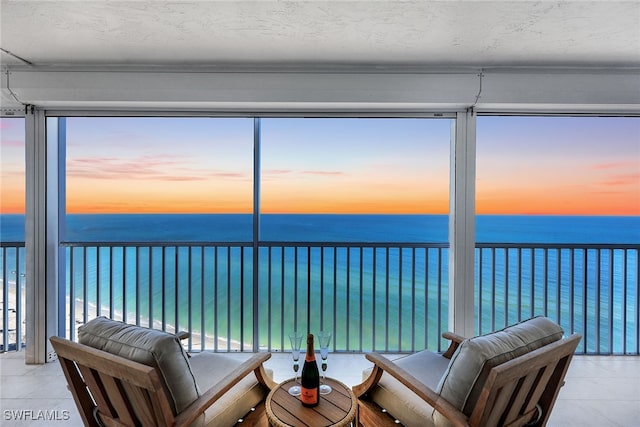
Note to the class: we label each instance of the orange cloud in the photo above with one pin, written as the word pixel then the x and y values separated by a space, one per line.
pixel 615 165
pixel 622 180
pixel 323 173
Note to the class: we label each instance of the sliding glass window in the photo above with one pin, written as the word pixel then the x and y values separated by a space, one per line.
pixel 158 224
pixel 558 225
pixel 12 233
pixel 352 222
pixel 354 216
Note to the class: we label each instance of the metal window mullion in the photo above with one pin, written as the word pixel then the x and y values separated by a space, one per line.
pixel 44 301
pixel 461 310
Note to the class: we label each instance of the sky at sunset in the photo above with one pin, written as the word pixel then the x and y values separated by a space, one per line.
pixel 525 165
pixel 12 165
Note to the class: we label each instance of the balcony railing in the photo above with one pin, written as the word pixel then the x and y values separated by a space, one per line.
pixel 371 295
pixel 389 297
pixel 12 273
pixel 591 289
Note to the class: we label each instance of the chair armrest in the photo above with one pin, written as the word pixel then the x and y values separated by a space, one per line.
pixel 382 364
pixel 209 397
pixel 455 342
pixel 183 335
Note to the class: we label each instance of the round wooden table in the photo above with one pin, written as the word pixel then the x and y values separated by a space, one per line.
pixel 337 409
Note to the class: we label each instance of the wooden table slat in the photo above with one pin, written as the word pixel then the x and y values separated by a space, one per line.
pixel 335 409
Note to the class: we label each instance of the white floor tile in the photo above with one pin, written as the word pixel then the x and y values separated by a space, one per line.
pixel 599 390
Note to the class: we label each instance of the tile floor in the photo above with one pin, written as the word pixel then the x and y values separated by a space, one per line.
pixel 600 391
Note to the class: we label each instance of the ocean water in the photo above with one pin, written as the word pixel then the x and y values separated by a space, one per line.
pixel 334 228
pixel 199 274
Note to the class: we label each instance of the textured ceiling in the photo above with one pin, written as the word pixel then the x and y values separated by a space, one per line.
pixel 323 34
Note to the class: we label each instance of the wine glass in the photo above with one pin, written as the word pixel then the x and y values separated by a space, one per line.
pixel 325 339
pixel 296 343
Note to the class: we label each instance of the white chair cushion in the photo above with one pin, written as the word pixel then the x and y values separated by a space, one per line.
pixel 150 347
pixel 399 401
pixel 469 367
pixel 209 368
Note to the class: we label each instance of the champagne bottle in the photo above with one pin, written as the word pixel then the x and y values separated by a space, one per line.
pixel 310 378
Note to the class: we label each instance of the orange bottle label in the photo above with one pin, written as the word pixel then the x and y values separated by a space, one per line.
pixel 309 396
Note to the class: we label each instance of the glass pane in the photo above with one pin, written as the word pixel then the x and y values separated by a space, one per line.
pixel 355 211
pixel 12 182
pixel 558 225
pixel 558 179
pixel 372 180
pixel 12 234
pixel 157 179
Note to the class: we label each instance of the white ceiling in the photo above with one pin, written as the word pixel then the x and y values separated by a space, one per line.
pixel 322 34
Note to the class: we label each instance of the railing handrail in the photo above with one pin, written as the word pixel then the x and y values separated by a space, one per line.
pixel 482 245
pixel 261 243
pixel 12 244
pixel 350 244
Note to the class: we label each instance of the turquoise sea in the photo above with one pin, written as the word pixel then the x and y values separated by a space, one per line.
pixel 197 271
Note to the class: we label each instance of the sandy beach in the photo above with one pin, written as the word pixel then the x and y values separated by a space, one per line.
pixel 223 344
